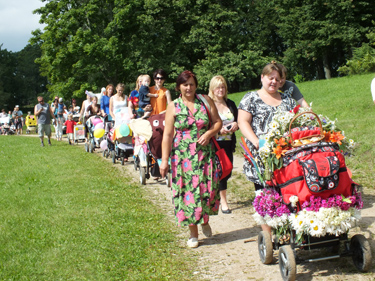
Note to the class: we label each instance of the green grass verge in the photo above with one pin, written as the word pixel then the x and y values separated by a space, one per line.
pixel 68 215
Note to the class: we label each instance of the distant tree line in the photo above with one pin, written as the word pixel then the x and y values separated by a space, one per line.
pixel 20 79
pixel 87 44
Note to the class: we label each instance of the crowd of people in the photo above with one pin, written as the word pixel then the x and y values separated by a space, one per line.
pixel 191 121
pixel 13 121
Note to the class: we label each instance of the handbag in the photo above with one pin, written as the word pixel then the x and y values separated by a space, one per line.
pixel 223 163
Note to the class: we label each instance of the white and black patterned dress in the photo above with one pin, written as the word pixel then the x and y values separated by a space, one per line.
pixel 262 115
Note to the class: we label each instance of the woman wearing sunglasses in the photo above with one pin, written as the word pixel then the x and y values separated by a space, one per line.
pixel 159 104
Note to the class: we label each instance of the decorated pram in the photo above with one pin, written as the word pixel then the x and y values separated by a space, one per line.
pixel 309 199
pixel 117 141
pixel 147 150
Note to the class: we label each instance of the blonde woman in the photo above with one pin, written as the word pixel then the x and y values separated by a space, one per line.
pixel 226 137
pixel 118 104
pixel 133 103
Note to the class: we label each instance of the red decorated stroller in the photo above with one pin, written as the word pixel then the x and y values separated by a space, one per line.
pixel 310 202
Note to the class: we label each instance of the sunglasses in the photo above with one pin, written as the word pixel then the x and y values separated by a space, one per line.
pixel 159 78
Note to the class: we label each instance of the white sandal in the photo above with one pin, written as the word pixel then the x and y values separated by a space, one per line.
pixel 193 242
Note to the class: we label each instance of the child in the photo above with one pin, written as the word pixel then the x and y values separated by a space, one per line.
pixel 70 128
pixel 71 110
pixel 60 118
pixel 144 96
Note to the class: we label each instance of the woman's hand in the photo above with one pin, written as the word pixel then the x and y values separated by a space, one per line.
pixel 204 139
pixel 164 168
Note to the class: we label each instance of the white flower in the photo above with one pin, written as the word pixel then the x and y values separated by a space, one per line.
pixel 293 200
pixel 274 125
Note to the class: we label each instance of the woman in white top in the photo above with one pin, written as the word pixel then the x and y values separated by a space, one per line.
pixel 226 137
pixel 83 115
pixel 118 104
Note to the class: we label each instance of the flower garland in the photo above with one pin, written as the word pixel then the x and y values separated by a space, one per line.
pixel 318 217
pixel 277 142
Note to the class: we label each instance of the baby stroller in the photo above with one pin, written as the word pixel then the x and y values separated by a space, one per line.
pixel 314 205
pixel 120 143
pixel 94 124
pixel 122 149
pixel 31 124
pixel 5 126
pixel 107 138
pixel 148 156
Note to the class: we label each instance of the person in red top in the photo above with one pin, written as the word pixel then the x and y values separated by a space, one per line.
pixel 70 128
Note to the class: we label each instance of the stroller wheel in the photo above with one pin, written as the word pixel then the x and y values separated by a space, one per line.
pixel 360 247
pixel 122 160
pixel 287 263
pixel 86 147
pixel 113 154
pixel 91 147
pixel 265 247
pixel 142 173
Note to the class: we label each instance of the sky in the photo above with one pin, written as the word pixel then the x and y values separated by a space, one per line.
pixel 17 21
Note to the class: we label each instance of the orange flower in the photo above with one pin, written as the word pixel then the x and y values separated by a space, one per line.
pixel 279 151
pixel 336 137
pixel 327 136
pixel 280 142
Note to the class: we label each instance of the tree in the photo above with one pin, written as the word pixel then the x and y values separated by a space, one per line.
pixel 319 34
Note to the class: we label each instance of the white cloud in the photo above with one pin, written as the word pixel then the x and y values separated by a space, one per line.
pixel 17 21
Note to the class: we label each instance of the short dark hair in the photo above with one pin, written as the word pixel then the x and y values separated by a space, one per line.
pixel 183 77
pixel 160 72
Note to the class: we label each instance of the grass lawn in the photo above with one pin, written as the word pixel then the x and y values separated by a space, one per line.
pixel 67 215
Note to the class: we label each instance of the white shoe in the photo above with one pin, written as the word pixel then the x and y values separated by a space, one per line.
pixel 193 242
pixel 206 229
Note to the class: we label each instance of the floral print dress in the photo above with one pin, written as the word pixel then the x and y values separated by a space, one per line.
pixel 194 176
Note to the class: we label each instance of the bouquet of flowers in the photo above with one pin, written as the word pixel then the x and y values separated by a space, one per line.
pixel 277 140
pixel 318 217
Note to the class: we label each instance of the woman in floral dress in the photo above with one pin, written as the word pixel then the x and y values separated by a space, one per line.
pixel 194 175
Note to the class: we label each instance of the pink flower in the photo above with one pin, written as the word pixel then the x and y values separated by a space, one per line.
pixel 192 148
pixel 206 169
pixel 200 155
pixel 195 181
pixel 202 188
pixel 209 186
pixel 198 213
pixel 189 198
pixel 180 216
pixel 179 183
pixel 190 120
pixel 186 165
pixel 177 140
pixel 186 135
